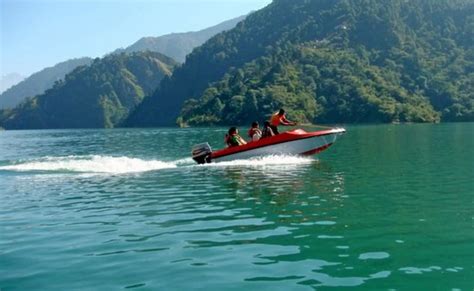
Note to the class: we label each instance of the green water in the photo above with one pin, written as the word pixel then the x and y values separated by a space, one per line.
pixel 386 208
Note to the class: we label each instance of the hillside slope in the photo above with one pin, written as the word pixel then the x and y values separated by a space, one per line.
pixel 414 62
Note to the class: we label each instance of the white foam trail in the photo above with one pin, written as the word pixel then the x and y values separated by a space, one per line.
pixel 121 165
pixel 271 160
pixel 91 164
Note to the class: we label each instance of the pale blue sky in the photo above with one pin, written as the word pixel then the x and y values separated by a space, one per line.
pixel 39 33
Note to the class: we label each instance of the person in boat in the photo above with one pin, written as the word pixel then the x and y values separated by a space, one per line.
pixel 233 138
pixel 267 130
pixel 254 132
pixel 279 118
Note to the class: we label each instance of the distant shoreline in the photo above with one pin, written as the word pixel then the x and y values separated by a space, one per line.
pixel 240 126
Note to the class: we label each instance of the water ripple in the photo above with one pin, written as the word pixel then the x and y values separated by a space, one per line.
pixel 387 208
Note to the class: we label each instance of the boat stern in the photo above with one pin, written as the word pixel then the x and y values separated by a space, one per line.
pixel 201 153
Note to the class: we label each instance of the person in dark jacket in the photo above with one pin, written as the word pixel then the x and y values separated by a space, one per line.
pixel 267 130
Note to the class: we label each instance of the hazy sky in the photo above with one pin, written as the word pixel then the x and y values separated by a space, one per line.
pixel 39 33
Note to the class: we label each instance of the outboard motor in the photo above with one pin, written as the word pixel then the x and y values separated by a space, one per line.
pixel 202 153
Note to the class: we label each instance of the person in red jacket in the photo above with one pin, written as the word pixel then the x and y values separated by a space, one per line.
pixel 279 118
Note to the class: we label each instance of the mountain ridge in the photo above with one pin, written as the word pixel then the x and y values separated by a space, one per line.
pixel 174 45
pixel 9 80
pixel 179 44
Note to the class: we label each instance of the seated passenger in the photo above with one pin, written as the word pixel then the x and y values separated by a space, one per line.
pixel 254 132
pixel 267 130
pixel 234 139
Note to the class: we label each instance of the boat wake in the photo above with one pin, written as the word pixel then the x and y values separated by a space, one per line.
pixel 90 164
pixel 123 165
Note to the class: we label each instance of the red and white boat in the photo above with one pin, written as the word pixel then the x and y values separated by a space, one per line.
pixel 294 142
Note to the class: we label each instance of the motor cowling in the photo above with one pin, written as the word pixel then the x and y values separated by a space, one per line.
pixel 201 153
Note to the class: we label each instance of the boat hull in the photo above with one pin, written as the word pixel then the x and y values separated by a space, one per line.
pixel 297 142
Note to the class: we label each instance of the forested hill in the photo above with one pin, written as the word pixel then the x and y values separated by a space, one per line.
pixel 328 60
pixel 99 95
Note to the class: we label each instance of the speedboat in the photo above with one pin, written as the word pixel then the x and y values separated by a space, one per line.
pixel 294 142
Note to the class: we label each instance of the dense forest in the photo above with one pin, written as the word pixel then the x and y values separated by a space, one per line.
pixel 99 95
pixel 313 84
pixel 328 61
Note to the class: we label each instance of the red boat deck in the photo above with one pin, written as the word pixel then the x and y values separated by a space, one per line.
pixel 287 136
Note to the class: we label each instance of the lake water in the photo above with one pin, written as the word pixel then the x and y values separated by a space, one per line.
pixel 388 207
